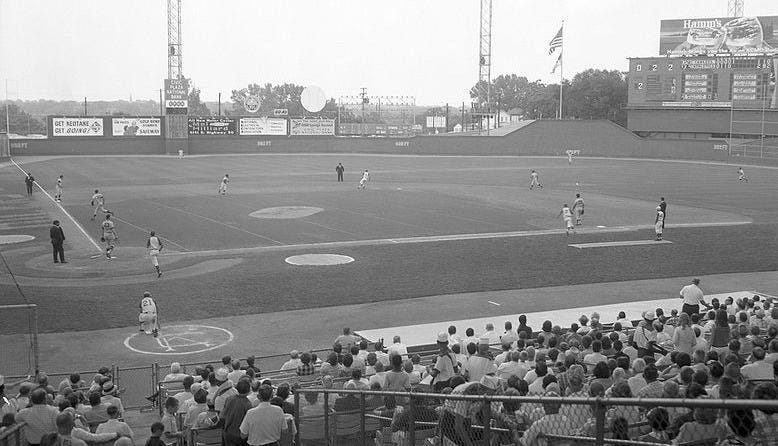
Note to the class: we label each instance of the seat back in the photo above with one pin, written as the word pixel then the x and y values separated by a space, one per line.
pixel 312 428
pixel 205 437
pixel 346 423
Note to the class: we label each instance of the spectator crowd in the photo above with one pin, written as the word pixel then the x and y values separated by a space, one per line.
pixel 727 351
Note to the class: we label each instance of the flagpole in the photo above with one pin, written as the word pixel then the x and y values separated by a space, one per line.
pixel 561 68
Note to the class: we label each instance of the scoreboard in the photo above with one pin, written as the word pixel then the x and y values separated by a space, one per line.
pixel 703 81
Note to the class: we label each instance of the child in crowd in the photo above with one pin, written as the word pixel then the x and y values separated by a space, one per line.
pixel 171 433
pixel 156 432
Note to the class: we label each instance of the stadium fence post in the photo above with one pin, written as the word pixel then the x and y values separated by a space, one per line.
pixel 487 420
pixel 362 417
pixel 326 417
pixel 411 420
pixel 35 354
pixel 599 414
pixel 297 417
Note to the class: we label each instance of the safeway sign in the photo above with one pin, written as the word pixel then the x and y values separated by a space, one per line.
pixel 176 93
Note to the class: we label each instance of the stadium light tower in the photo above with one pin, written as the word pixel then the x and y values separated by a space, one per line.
pixel 174 39
pixel 485 51
pixel 735 8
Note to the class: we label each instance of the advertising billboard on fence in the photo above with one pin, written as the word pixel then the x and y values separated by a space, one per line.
pixel 719 35
pixel 263 126
pixel 312 126
pixel 136 126
pixel 77 126
pixel 212 126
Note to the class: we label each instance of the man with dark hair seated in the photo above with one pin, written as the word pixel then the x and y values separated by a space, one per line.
pixel 98 411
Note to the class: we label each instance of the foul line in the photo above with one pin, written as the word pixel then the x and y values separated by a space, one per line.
pixel 436 238
pixel 80 228
pixel 147 230
pixel 213 221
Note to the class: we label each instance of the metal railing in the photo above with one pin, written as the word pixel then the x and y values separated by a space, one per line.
pixel 13 436
pixel 486 423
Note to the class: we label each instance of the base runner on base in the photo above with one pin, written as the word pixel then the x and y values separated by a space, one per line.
pixel 154 245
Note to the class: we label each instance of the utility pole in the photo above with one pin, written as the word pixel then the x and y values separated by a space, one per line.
pixel 463 116
pixel 363 95
pixel 7 116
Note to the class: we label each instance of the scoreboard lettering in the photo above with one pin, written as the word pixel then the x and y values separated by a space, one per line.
pixel 704 81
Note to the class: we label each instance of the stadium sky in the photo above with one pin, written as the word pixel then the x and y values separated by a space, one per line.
pixel 105 50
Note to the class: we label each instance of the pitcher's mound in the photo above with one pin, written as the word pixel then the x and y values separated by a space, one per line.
pixel 286 212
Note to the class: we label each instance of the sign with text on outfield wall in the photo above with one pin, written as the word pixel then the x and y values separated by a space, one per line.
pixel 77 126
pixel 263 126
pixel 176 93
pixel 136 126
pixel 312 127
pixel 211 126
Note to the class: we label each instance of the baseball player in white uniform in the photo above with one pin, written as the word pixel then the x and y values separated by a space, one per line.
pixel 364 180
pixel 98 203
pixel 223 184
pixel 659 223
pixel 534 180
pixel 154 245
pixel 567 215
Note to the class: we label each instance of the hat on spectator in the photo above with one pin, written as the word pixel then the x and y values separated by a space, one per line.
pixel 649 315
pixel 483 340
pixel 443 337
pixel 490 382
pixel 294 354
pixel 108 388
pixel 221 374
pixel 175 367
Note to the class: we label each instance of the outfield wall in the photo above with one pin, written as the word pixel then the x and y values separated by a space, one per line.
pixel 545 137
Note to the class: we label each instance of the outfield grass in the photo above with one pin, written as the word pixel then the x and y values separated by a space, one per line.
pixel 407 197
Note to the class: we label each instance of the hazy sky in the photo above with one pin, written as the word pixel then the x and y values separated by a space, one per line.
pixel 106 49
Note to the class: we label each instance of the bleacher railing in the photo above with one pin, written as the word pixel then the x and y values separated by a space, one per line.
pixel 583 420
pixel 13 436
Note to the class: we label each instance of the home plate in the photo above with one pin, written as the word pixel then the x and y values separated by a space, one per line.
pixel 621 243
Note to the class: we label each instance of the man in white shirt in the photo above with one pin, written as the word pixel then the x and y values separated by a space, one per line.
pixel 512 367
pixel 759 369
pixel 398 348
pixel 494 338
pixel 293 362
pixel 236 372
pixel 510 336
pixel 113 425
pixel 263 424
pixel 773 355
pixel 174 381
pixel 692 297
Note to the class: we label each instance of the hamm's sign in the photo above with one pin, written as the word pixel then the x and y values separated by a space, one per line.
pixel 719 35
pixel 77 126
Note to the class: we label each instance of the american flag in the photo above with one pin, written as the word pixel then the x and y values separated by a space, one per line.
pixel 556 42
